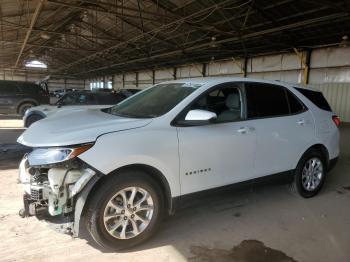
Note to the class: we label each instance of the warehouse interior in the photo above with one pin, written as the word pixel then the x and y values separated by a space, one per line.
pixel 134 44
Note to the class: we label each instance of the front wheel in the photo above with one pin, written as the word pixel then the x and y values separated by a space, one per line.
pixel 32 119
pixel 310 174
pixel 125 210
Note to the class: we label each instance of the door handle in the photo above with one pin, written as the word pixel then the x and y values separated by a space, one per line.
pixel 242 130
pixel 245 129
pixel 301 122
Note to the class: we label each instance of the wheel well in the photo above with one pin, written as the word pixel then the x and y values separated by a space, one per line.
pixel 158 177
pixel 26 102
pixel 321 148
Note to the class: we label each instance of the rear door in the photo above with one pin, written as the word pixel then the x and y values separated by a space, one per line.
pixel 284 127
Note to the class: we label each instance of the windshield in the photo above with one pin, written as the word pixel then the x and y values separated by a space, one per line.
pixel 155 101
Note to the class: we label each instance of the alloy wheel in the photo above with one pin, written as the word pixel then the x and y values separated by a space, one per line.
pixel 312 174
pixel 128 212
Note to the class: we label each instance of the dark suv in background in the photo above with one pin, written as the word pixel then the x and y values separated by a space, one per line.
pixel 17 96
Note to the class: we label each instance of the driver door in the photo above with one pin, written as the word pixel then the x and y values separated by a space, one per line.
pixel 218 153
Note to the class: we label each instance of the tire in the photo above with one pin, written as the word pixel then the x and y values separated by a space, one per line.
pixel 32 119
pixel 99 207
pixel 23 108
pixel 310 174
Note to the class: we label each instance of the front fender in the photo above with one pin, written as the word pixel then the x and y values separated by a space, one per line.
pixel 81 199
pixel 141 146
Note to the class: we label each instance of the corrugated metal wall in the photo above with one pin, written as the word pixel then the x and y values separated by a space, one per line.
pixel 338 96
pixel 329 71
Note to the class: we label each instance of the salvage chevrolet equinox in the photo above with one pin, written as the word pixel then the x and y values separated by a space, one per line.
pixel 117 172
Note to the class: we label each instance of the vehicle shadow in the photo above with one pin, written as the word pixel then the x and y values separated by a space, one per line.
pixel 224 218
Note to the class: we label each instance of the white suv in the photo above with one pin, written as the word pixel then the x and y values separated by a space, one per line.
pixel 116 172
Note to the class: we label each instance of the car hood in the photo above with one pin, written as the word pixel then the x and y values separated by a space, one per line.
pixel 76 127
pixel 48 110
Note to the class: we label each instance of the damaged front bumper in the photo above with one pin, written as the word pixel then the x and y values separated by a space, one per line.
pixel 52 192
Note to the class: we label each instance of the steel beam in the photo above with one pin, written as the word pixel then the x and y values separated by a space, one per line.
pixel 105 11
pixel 48 46
pixel 32 23
pixel 156 30
pixel 227 40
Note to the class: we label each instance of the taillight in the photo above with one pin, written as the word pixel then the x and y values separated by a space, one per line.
pixel 336 120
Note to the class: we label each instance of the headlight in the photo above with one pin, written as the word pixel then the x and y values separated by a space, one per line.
pixel 47 156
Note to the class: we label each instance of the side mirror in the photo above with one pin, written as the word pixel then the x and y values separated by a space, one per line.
pixel 198 116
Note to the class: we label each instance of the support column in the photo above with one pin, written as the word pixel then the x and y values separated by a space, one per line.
pixel 137 79
pixel 245 66
pixel 305 61
pixel 153 77
pixel 174 73
pixel 307 67
pixel 204 69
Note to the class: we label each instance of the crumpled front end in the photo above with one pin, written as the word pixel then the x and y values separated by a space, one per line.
pixel 51 191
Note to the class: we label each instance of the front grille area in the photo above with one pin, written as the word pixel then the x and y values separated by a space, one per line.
pixel 36 194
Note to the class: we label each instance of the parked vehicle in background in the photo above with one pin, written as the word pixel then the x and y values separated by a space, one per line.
pixel 71 101
pixel 125 93
pixel 60 92
pixel 117 171
pixel 17 96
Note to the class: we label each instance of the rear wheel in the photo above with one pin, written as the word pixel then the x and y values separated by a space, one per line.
pixel 310 173
pixel 125 210
pixel 24 107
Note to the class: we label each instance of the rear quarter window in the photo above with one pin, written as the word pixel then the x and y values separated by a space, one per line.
pixel 315 97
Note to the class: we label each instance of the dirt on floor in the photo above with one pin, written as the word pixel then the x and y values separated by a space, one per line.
pixel 264 223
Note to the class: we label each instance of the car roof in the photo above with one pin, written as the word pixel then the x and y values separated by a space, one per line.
pixel 219 80
pixel 224 79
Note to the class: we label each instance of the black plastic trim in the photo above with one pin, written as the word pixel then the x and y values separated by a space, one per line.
pixel 278 178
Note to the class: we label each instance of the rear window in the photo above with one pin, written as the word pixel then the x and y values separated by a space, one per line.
pixel 315 97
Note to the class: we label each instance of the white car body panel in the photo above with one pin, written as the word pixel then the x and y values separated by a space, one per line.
pixel 76 127
pixel 215 155
pixel 175 151
pixel 49 110
pixel 281 139
pixel 151 145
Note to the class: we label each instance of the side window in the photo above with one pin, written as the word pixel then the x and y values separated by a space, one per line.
pixel 69 99
pixel 266 100
pixel 8 87
pixel 108 99
pixel 295 105
pixel 224 101
pixel 85 99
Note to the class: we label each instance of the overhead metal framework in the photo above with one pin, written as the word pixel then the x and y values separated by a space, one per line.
pixel 86 38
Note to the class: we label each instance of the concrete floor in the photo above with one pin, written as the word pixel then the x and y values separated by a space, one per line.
pixel 266 223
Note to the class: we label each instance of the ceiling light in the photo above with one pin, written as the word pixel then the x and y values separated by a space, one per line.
pixel 45 36
pixel 345 41
pixel 31 54
pixel 35 64
pixel 213 43
pixel 84 16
